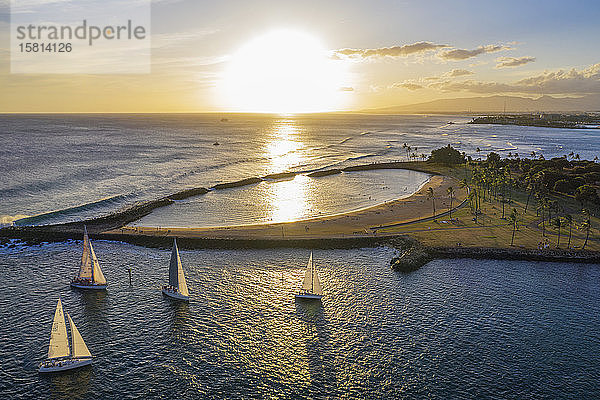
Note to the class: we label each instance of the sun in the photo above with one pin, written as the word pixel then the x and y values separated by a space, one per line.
pixel 283 71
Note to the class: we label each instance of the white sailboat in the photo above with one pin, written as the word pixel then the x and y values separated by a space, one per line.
pixel 177 287
pixel 311 286
pixel 90 275
pixel 61 357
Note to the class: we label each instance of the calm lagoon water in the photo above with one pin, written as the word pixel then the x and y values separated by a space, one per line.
pixel 287 200
pixel 453 329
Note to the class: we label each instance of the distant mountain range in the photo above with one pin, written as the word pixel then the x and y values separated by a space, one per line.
pixel 495 104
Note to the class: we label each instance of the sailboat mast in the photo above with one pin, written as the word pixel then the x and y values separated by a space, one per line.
pixel 93 278
pixel 312 274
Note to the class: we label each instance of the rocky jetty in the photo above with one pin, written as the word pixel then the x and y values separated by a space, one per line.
pixel 325 172
pixel 184 194
pixel 411 259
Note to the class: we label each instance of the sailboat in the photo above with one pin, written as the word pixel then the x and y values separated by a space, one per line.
pixel 177 288
pixel 311 286
pixel 90 275
pixel 61 357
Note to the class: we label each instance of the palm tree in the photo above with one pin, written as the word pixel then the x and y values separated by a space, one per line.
pixel 473 204
pixel 430 195
pixel 514 218
pixel 587 225
pixel 534 185
pixel 450 191
pixel 531 188
pixel 569 221
pixel 557 223
pixel 541 208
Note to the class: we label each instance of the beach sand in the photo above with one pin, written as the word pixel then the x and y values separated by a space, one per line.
pixel 357 223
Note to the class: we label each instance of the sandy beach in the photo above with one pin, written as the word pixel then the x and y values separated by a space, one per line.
pixel 357 223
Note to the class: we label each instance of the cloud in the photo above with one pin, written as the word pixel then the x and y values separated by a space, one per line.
pixel 462 54
pixel 473 86
pixel 408 85
pixel 422 83
pixel 562 81
pixel 458 72
pixel 450 74
pixel 573 81
pixel 394 51
pixel 507 62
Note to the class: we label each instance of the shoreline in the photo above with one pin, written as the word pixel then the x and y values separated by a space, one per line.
pixel 399 242
pixel 385 224
pixel 122 217
pixel 347 229
pixel 308 219
pixel 555 120
pixel 352 224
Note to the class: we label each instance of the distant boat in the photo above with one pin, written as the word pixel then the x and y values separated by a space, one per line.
pixel 177 287
pixel 311 287
pixel 61 357
pixel 216 144
pixel 90 275
pixel 224 119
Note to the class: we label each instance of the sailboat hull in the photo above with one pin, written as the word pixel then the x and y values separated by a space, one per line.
pixel 64 365
pixel 91 286
pixel 175 295
pixel 309 296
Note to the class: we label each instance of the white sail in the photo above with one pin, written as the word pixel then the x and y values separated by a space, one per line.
pixel 97 275
pixel 182 284
pixel 311 283
pixel 316 283
pixel 315 278
pixel 176 276
pixel 59 342
pixel 86 267
pixel 307 284
pixel 77 343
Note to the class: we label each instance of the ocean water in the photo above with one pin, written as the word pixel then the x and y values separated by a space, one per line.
pixel 62 168
pixel 455 329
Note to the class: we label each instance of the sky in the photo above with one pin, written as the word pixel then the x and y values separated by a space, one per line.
pixel 292 56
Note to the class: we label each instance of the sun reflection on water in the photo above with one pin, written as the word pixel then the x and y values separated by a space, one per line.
pixel 288 200
pixel 284 146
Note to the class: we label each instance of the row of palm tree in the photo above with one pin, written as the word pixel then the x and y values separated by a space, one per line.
pixel 568 221
pixel 431 196
pixel 412 154
pixel 489 181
